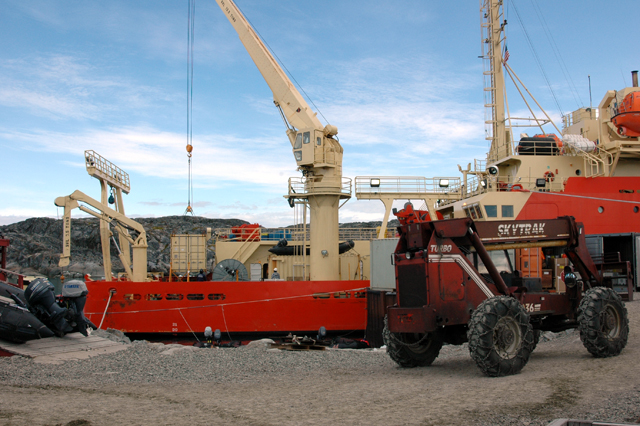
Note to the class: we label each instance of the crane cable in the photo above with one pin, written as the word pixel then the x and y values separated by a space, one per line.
pixel 556 51
pixel 190 37
pixel 284 67
pixel 537 58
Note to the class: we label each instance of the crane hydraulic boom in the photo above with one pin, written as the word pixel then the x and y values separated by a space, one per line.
pixel 317 152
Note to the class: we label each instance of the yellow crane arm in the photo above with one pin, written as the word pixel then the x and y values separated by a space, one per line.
pixel 294 107
pixel 105 213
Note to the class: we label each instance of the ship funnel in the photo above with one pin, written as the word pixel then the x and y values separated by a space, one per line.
pixel 634 78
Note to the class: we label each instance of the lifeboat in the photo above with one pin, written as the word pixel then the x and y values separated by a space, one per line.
pixel 627 120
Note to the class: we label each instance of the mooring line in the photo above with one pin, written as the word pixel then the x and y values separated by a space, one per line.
pixel 105 310
pixel 186 322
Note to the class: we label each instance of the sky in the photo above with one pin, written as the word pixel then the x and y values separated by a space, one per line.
pixel 401 80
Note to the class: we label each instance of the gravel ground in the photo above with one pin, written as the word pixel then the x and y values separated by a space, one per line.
pixel 253 385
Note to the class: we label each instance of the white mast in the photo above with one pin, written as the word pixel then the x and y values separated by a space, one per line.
pixel 492 25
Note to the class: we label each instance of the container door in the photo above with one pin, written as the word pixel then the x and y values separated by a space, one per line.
pixel 256 272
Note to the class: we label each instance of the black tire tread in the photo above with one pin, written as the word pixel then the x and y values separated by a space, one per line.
pixel 403 355
pixel 593 338
pixel 480 335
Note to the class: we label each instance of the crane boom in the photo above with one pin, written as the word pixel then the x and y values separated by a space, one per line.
pixel 317 153
pixel 313 144
pixel 294 107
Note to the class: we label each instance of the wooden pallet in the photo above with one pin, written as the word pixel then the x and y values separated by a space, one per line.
pixel 56 350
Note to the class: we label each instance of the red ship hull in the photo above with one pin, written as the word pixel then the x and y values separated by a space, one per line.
pixel 605 205
pixel 234 307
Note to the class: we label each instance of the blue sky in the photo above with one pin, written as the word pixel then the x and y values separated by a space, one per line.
pixel 401 80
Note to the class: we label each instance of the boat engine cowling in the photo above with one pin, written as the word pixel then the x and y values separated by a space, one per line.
pixel 74 294
pixel 41 301
pixel 74 288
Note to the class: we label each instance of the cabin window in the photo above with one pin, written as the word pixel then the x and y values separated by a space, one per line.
pixel 319 141
pixel 476 207
pixel 500 261
pixel 306 137
pixel 492 211
pixel 472 211
pixel 298 143
pixel 507 211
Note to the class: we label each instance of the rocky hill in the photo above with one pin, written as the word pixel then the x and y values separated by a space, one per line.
pixel 36 243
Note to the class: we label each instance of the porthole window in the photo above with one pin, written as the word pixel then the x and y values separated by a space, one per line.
pixel 132 297
pixel 195 296
pixel 635 209
pixel 578 172
pixel 600 209
pixel 321 295
pixel 174 296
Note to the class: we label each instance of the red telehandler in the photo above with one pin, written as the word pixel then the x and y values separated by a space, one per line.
pixel 456 283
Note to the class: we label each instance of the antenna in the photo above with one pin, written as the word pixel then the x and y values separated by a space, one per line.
pixel 590 101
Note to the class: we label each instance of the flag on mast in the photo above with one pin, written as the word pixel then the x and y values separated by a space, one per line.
pixel 506 53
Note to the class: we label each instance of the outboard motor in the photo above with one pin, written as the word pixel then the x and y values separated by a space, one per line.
pixel 74 295
pixel 41 301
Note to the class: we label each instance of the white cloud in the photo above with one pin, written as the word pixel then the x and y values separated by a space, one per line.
pixel 150 152
pixel 60 86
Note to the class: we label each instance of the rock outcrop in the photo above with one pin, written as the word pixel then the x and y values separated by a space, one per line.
pixel 36 243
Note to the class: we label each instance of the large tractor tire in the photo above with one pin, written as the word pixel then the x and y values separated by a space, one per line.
pixel 500 336
pixel 603 322
pixel 410 350
pixel 536 338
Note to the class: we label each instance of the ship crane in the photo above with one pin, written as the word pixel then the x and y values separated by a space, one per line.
pixel 316 150
pixel 110 176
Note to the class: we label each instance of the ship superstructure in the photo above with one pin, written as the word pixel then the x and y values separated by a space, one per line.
pixel 590 169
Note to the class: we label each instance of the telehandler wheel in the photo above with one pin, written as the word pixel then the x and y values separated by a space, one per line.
pixel 536 339
pixel 411 350
pixel 603 322
pixel 500 336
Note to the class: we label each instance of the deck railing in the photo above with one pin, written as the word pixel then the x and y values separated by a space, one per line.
pixel 4 277
pixel 292 234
